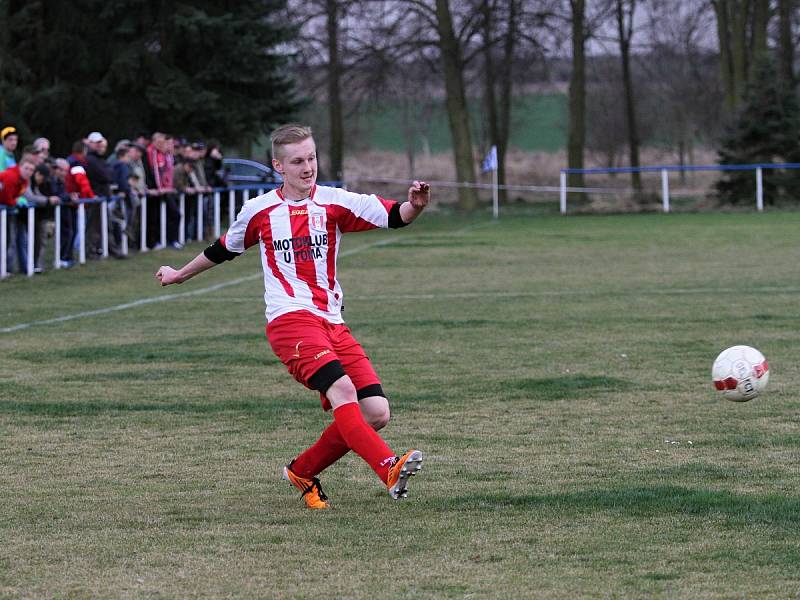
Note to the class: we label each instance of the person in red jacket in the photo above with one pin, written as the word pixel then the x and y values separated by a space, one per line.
pixel 14 180
pixel 13 183
pixel 76 184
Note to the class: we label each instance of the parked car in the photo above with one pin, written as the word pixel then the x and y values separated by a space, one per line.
pixel 242 171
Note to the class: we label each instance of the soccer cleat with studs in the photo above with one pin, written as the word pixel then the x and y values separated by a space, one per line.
pixel 400 472
pixel 311 489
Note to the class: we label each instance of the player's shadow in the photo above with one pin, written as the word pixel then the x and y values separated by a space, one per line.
pixel 650 501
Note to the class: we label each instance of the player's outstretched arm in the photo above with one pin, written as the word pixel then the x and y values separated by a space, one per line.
pixel 167 275
pixel 418 196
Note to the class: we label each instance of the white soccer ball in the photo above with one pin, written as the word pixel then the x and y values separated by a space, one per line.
pixel 740 373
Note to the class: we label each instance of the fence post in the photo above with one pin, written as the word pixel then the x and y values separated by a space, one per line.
pixel 182 223
pixel 57 239
pixel 200 216
pixel 82 232
pixel 124 235
pixel 216 215
pixel 3 243
pixel 31 240
pixel 104 226
pixel 143 224
pixel 665 189
pixel 563 193
pixel 231 206
pixel 163 222
pixel 759 190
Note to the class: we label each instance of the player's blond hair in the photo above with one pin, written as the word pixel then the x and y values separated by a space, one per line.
pixel 291 133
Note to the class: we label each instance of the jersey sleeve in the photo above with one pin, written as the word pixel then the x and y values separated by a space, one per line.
pixel 361 212
pixel 245 231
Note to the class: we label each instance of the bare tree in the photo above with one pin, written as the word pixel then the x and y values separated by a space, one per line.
pixel 625 13
pixel 576 138
pixel 584 24
pixel 451 57
pixel 680 75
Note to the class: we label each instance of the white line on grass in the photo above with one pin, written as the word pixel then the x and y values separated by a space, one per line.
pixel 556 293
pixel 166 297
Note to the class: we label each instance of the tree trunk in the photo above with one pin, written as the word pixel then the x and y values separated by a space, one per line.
pixel 625 30
pixel 725 57
pixel 506 80
pixel 576 139
pixel 456 102
pixel 334 95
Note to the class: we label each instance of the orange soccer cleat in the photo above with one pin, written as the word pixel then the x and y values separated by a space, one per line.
pixel 313 495
pixel 403 468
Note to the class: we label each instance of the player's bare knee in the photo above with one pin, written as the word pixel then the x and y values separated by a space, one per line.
pixel 374 406
pixel 378 417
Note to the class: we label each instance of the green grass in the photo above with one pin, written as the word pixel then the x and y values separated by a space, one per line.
pixel 555 371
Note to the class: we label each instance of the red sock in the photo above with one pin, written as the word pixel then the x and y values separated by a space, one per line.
pixel 329 448
pixel 362 439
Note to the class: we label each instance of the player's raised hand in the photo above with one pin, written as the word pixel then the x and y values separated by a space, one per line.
pixel 419 194
pixel 167 275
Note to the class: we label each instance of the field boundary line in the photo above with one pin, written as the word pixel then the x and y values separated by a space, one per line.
pixel 560 293
pixel 201 291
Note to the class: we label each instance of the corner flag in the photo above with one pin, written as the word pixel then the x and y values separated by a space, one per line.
pixel 490 162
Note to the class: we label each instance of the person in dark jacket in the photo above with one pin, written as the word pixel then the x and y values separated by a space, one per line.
pixel 101 179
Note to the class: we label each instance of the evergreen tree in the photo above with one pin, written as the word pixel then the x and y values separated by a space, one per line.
pixel 766 130
pixel 200 68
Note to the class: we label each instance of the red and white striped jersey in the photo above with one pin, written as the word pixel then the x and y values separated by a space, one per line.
pixel 299 243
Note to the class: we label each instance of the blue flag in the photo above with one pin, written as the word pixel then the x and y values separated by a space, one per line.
pixel 490 162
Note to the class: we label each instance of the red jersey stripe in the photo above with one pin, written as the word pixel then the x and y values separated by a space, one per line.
pixel 266 235
pixel 304 257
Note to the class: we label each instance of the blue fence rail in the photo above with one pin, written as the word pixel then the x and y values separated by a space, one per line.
pixel 208 210
pixel 665 170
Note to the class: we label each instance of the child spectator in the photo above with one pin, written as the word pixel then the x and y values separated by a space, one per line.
pixel 9 139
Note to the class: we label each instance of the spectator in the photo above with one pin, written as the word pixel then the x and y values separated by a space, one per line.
pixel 159 172
pixel 9 139
pixel 77 186
pixel 187 183
pixel 59 172
pixel 101 179
pixel 13 183
pixel 42 144
pixel 39 197
pixel 214 169
pixel 198 155
pixel 120 170
pixel 138 185
pixel 34 153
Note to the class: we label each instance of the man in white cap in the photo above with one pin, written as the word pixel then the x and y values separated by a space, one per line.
pixel 100 178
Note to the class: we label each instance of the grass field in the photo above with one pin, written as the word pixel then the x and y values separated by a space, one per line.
pixel 555 371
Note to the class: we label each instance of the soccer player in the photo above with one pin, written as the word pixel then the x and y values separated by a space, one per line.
pixel 298 229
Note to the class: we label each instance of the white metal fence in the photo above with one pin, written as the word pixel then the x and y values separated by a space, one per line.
pixel 208 206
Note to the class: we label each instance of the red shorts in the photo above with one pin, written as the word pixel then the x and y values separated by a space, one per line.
pixel 305 343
